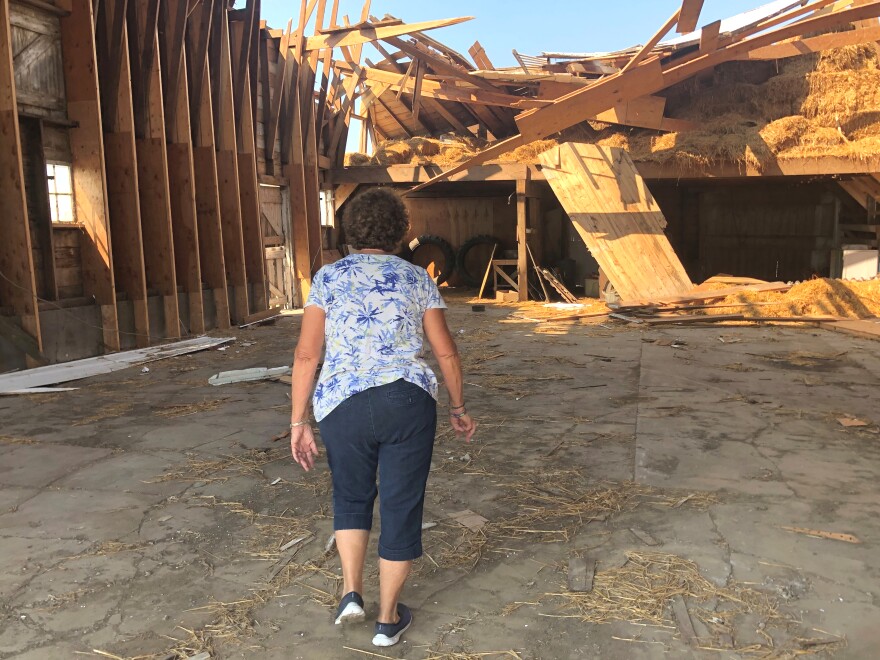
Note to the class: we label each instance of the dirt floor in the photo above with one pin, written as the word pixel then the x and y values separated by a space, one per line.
pixel 143 515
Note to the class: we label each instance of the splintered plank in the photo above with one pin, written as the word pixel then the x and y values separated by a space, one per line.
pixel 618 219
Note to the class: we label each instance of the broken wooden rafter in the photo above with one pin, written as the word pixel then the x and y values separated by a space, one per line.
pixel 688 16
pixel 443 91
pixel 365 34
pixel 480 58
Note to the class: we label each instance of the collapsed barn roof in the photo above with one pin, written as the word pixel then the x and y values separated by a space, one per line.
pixel 784 81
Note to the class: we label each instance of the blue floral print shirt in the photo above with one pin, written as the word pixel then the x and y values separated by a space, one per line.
pixel 374 305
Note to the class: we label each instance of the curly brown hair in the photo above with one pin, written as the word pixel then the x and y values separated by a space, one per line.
pixel 376 219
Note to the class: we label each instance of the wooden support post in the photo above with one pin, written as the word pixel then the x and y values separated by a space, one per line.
pixel 308 73
pixel 18 289
pixel 209 222
pixel 181 175
pixel 294 169
pixel 121 161
pixel 227 164
pixel 522 257
pixel 249 190
pixel 87 151
pixel 152 160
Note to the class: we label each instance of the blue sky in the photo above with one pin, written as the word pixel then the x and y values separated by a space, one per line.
pixel 529 26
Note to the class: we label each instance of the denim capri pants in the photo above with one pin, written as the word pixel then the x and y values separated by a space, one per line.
pixel 389 429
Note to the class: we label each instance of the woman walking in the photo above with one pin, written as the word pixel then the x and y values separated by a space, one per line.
pixel 375 401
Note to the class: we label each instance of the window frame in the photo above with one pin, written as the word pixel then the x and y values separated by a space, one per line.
pixel 53 194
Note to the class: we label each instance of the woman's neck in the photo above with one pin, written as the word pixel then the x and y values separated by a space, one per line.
pixel 370 251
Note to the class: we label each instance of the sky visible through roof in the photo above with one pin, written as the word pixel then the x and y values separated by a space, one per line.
pixel 529 26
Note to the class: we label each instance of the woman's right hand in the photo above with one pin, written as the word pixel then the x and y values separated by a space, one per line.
pixel 464 425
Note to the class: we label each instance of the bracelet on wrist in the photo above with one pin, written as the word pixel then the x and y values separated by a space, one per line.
pixel 456 407
pixel 463 413
pixel 296 425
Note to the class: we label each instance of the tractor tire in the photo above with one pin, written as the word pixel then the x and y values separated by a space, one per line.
pixel 448 265
pixel 469 278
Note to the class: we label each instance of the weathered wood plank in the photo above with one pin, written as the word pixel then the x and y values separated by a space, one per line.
pixel 618 219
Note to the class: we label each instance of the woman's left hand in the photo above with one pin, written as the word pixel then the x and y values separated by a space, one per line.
pixel 303 447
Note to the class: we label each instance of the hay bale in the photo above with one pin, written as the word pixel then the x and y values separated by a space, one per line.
pixel 848 58
pixel 355 159
pixel 528 153
pixel 393 152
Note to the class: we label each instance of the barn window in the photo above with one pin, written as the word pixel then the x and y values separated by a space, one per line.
pixel 60 192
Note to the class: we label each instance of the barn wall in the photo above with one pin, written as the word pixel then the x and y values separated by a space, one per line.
pixel 779 230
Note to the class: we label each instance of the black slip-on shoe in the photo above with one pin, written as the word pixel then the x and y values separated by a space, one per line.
pixel 351 609
pixel 388 634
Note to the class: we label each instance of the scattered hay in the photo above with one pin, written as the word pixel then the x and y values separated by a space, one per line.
pixel 553 506
pixel 272 532
pixel 14 440
pixel 640 591
pixel 197 469
pixel 183 409
pixel 105 412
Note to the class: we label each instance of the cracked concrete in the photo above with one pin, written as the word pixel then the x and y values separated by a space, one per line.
pixel 115 536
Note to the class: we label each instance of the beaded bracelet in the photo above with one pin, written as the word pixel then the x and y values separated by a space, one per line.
pixel 463 413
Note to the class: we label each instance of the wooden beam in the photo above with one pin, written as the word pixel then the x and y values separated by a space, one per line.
pixel 324 81
pixel 397 121
pixel 339 134
pixel 172 36
pixel 310 151
pixel 689 16
pixel 199 31
pixel 87 159
pixel 152 164
pixel 797 47
pixel 478 53
pixel 445 91
pixel 443 111
pixel 709 37
pixel 273 101
pixel 122 176
pixel 294 171
pixel 226 145
pixel 249 193
pixel 522 259
pixel 18 288
pixel 241 58
pixel 365 34
pixel 413 174
pixel 645 50
pixel 181 173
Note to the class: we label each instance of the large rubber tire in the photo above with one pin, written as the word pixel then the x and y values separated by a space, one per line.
pixel 469 278
pixel 448 254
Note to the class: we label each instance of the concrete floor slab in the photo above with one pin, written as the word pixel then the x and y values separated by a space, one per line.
pixel 135 516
